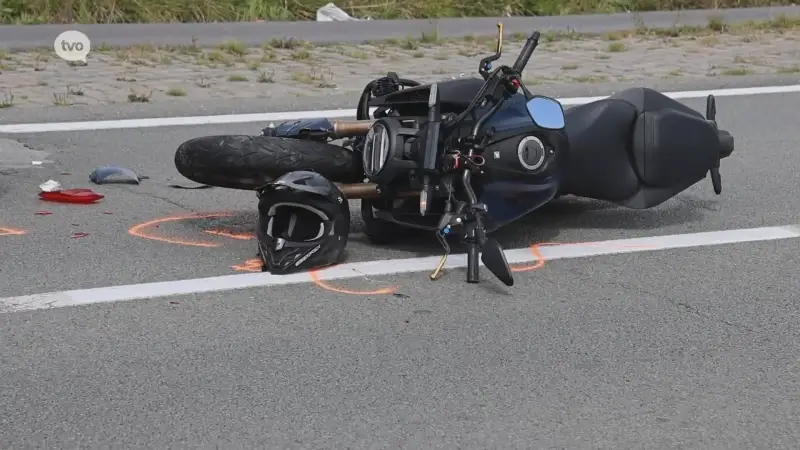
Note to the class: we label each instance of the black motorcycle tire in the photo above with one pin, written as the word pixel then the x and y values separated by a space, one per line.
pixel 249 162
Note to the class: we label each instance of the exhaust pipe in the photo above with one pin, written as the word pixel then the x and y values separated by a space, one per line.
pixel 351 128
pixel 367 191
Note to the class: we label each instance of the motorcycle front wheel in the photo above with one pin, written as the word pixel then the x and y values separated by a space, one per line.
pixel 249 162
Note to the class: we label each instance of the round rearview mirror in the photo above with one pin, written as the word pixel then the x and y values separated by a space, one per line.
pixel 546 112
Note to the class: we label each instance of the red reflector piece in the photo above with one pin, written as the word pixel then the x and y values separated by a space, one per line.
pixel 83 196
pixel 515 83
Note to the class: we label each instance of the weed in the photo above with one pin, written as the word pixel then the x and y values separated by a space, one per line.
pixel 590 79
pixel 286 43
pixel 410 44
pixel 717 23
pixel 430 37
pixel 264 77
pixel 7 101
pixel 235 48
pixel 315 76
pixel 135 97
pixel 40 63
pixel 616 47
pixel 301 55
pixel 788 70
pixel 737 71
pixel 61 99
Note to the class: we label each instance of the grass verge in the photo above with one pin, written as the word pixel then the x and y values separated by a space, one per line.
pixel 151 11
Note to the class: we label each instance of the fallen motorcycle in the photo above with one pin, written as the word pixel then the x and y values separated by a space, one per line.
pixel 472 155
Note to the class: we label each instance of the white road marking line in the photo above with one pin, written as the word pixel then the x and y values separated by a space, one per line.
pixel 385 267
pixel 330 113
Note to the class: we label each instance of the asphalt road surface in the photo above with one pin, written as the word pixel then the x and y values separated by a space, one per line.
pixel 691 348
pixel 22 37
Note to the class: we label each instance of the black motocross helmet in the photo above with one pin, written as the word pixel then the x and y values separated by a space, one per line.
pixel 303 223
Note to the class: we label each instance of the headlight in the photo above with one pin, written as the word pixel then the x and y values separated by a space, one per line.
pixel 376 150
pixel 384 156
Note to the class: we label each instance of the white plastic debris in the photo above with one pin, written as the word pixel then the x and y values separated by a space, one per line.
pixel 50 186
pixel 332 13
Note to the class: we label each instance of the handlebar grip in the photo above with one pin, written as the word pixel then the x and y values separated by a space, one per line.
pixel 527 51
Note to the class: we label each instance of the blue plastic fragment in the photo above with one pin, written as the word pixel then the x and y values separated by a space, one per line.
pixel 114 175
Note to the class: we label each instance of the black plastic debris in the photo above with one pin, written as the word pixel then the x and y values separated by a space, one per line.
pixel 183 186
pixel 114 175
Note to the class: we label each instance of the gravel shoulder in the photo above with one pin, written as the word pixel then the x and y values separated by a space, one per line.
pixel 285 70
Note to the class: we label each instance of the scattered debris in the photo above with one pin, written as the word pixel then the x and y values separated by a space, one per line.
pixel 43 213
pixel 79 196
pixel 78 235
pixel 50 186
pixel 114 175
pixel 399 295
pixel 332 13
pixel 179 186
pixel 51 191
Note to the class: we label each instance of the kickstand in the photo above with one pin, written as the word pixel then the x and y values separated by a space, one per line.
pixel 439 271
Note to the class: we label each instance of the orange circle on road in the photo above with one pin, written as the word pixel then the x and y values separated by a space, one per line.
pixel 144 230
pixel 329 287
pixel 6 231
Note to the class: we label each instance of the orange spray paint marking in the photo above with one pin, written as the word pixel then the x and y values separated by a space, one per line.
pixel 251 265
pixel 536 249
pixel 228 234
pixel 144 230
pixel 254 265
pixel 329 287
pixel 5 231
pixel 540 261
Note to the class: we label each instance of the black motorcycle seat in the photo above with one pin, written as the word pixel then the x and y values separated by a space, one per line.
pixel 598 134
pixel 640 135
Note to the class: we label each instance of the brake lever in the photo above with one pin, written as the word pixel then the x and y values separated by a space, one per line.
pixel 486 63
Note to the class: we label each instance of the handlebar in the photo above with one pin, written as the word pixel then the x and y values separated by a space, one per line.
pixel 527 51
pixel 498 76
